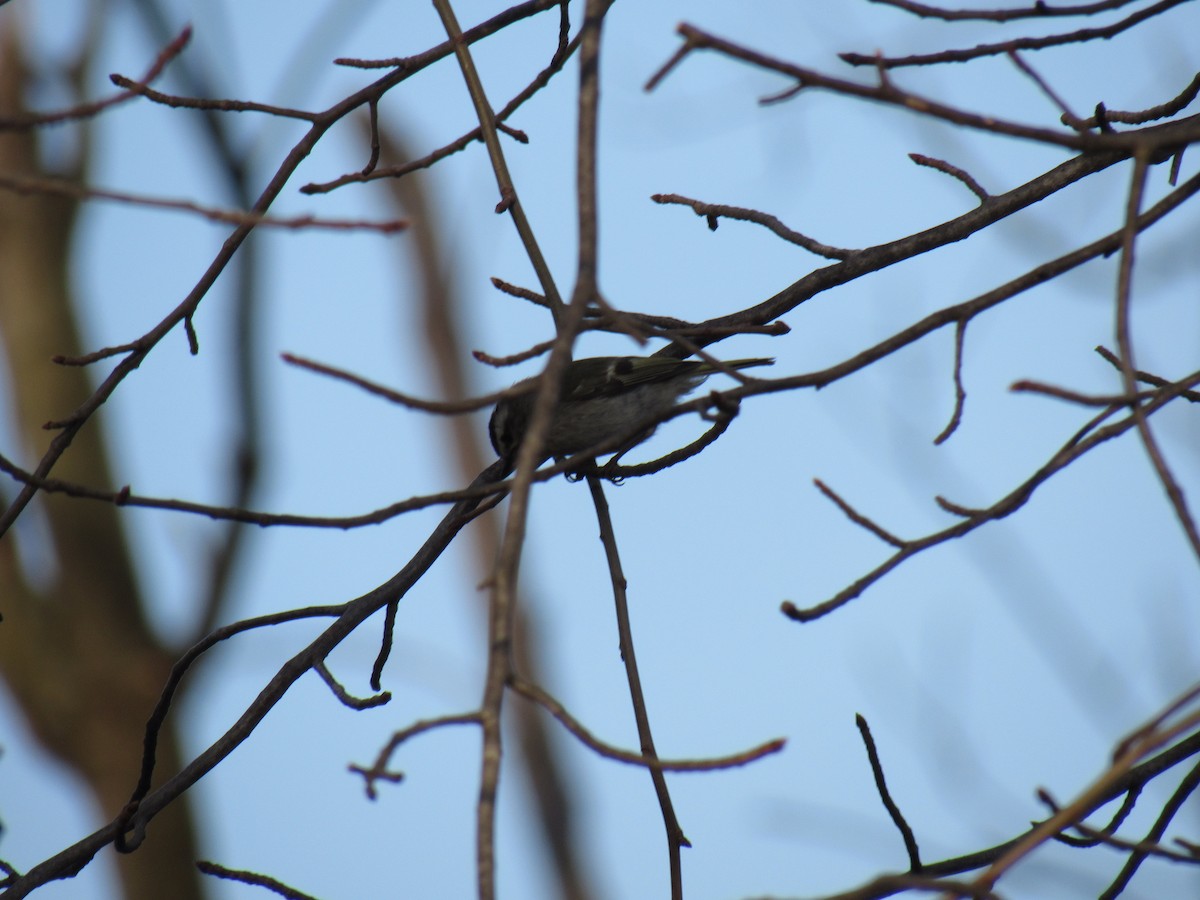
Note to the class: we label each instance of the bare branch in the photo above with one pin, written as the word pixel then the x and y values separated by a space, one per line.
pixel 1146 377
pixel 1080 36
pixel 953 171
pixel 714 211
pixel 378 770
pixel 858 518
pixel 487 124
pixel 1180 132
pixel 369 173
pixel 1132 751
pixel 1038 10
pixel 960 392
pixel 88 110
pixel 676 839
pixel 126 497
pixel 1126 807
pixel 906 832
pixel 445 407
pixel 1007 505
pixel 64 188
pixel 344 696
pixel 182 665
pixel 513 359
pixel 1153 113
pixel 1068 117
pixel 573 725
pixel 726 411
pixel 1051 390
pixel 253 878
pixel 1140 849
pixel 1125 352
pixel 176 102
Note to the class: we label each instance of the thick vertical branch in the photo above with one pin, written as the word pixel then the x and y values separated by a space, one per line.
pixel 587 139
pixel 442 309
pixel 509 200
pixel 503 595
pixel 504 582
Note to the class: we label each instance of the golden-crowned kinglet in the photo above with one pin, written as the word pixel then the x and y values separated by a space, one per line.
pixel 602 398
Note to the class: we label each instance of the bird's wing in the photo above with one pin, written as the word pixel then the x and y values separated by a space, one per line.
pixel 605 376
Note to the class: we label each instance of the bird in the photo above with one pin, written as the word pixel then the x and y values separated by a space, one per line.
pixel 602 397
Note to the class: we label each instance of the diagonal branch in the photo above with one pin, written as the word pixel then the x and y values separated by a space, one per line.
pixel 129 827
pixel 1040 9
pixel 1125 352
pixel 676 840
pixel 1007 505
pixel 1079 36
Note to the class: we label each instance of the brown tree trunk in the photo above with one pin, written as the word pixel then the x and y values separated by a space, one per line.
pixel 76 649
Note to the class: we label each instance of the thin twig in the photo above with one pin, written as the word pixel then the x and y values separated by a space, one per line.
pixel 1079 36
pixel 344 696
pixel 487 124
pixel 187 307
pixel 63 188
pixel 125 497
pixel 1151 114
pixel 445 407
pixel 1143 849
pixel 1125 352
pixel 597 319
pixel 254 879
pixel 960 392
pixel 953 171
pixel 609 751
pixel 858 518
pixel 88 110
pixel 676 840
pixel 177 102
pixel 1133 752
pixel 514 358
pixel 1068 116
pixel 1007 505
pixel 86 359
pixel 378 770
pixel 562 53
pixel 1038 10
pixel 726 412
pixel 1132 780
pixel 888 93
pixel 1173 709
pixel 906 832
pixel 713 211
pixel 1061 393
pixel 1127 805
pixel 1147 377
pixel 178 671
pixel 385 644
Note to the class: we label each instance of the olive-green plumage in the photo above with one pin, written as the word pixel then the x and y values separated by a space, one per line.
pixel 603 397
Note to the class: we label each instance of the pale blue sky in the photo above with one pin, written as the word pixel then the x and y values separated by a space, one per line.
pixel 988 667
